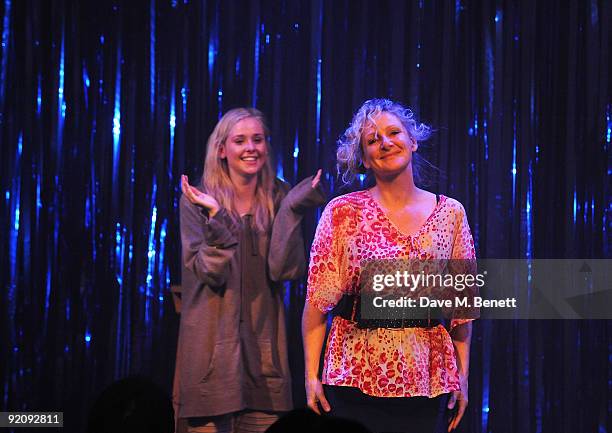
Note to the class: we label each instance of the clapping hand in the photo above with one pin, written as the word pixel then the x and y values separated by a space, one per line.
pixel 199 198
pixel 317 179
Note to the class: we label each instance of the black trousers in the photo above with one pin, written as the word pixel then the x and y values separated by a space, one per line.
pixel 389 414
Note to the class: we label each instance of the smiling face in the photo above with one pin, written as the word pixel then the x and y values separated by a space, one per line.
pixel 387 146
pixel 245 148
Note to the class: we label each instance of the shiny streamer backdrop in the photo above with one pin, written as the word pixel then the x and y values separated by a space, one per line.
pixel 104 104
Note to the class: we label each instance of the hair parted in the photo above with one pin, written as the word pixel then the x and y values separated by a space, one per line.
pixel 349 154
pixel 216 179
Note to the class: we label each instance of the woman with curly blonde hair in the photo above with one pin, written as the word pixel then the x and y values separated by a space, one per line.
pixel 390 375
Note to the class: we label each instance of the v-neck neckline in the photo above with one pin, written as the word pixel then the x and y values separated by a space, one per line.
pixel 416 234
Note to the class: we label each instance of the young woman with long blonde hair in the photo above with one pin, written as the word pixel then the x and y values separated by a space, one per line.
pixel 241 236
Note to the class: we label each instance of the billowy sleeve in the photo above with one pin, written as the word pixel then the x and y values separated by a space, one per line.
pixel 208 244
pixel 463 243
pixel 287 258
pixel 328 268
pixel 463 256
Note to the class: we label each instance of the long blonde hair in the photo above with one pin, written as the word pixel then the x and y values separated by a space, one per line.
pixel 216 180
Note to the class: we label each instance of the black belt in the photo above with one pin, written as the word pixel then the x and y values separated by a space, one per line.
pixel 397 323
pixel 349 308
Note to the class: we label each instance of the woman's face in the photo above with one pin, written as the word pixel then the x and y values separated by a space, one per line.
pixel 387 146
pixel 245 148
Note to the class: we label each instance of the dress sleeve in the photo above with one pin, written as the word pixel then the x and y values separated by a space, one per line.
pixel 286 257
pixel 463 243
pixel 328 260
pixel 464 256
pixel 208 244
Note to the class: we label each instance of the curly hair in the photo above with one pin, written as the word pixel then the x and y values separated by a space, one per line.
pixel 349 154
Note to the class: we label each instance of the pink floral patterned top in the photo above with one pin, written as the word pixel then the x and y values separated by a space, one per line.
pixel 383 362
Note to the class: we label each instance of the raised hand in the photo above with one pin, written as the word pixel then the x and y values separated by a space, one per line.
pixel 317 179
pixel 199 198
